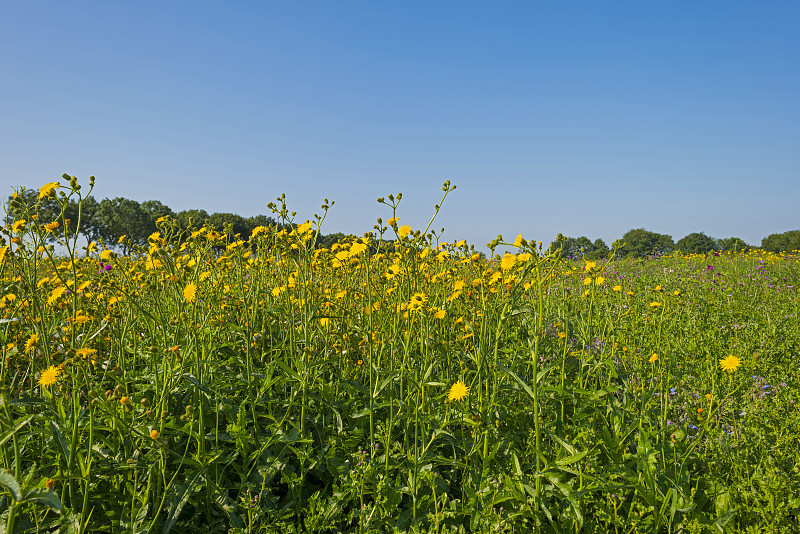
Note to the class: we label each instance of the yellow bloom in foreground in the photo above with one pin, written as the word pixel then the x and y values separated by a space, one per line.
pixel 617 288
pixel 49 376
pixel 458 391
pixel 51 227
pixel 599 280
pixel 730 364
pixel 46 189
pixel 154 434
pixel 655 304
pixel 404 230
pixel 653 358
pixel 189 292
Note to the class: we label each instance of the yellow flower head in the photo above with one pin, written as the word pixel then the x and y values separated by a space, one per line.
pixel 457 391
pixel 189 292
pixel 49 376
pixel 653 358
pixel 508 261
pixel 51 227
pixel 404 230
pixel 31 343
pixel 48 189
pixel 18 226
pixel 730 364
pixel 617 288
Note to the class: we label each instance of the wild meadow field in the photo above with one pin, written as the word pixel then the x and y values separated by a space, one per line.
pixel 391 383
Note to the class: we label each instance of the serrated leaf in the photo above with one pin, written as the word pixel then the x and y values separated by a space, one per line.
pixel 179 501
pixel 46 497
pixel 8 481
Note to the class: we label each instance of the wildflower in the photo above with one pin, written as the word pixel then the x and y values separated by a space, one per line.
pixel 440 314
pixel 617 288
pixel 587 281
pixel 730 364
pixel 518 242
pixel 125 401
pixel 51 227
pixel 416 302
pixel 49 376
pixel 18 226
pixel 699 411
pixel 457 391
pixel 655 304
pixel 55 295
pixel 48 189
pixel 404 230
pixel 653 358
pixel 31 343
pixel 708 396
pixel 174 349
pixel 562 335
pixel 599 280
pixel 189 292
pixel 154 434
pixel 508 261
pixel 50 484
pixel 590 265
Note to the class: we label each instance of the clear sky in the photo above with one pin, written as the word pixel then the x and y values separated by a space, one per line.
pixel 586 118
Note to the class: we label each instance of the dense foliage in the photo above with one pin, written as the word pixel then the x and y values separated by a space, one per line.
pixel 204 383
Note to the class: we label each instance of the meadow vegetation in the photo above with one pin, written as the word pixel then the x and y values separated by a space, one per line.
pixel 394 382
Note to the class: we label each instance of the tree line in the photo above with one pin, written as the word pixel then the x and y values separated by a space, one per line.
pixel 110 219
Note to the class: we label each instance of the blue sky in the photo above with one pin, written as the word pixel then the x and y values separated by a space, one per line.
pixel 586 118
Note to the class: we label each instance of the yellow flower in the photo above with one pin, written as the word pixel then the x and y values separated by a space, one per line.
pixel 31 343
pixel 304 228
pixel 587 281
pixel 653 358
pixel 708 396
pixel 154 434
pixel 599 280
pixel 508 261
pixel 458 391
pixel 617 288
pixel 730 364
pixel 590 265
pixel 51 227
pixel 404 230
pixel 655 304
pixel 189 292
pixel 18 226
pixel 562 335
pixel 49 376
pixel 416 302
pixel 47 189
pixel 440 314
pixel 518 241
pixel 86 352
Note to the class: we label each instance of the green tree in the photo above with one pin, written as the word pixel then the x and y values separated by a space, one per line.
pixel 697 243
pixel 580 247
pixel 122 217
pixel 640 242
pixel 48 209
pixel 733 244
pixel 785 242
pixel 237 224
pixel 191 218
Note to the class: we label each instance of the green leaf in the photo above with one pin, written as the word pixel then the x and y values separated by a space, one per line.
pixel 46 497
pixel 8 481
pixel 5 436
pixel 180 499
pixel 60 439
